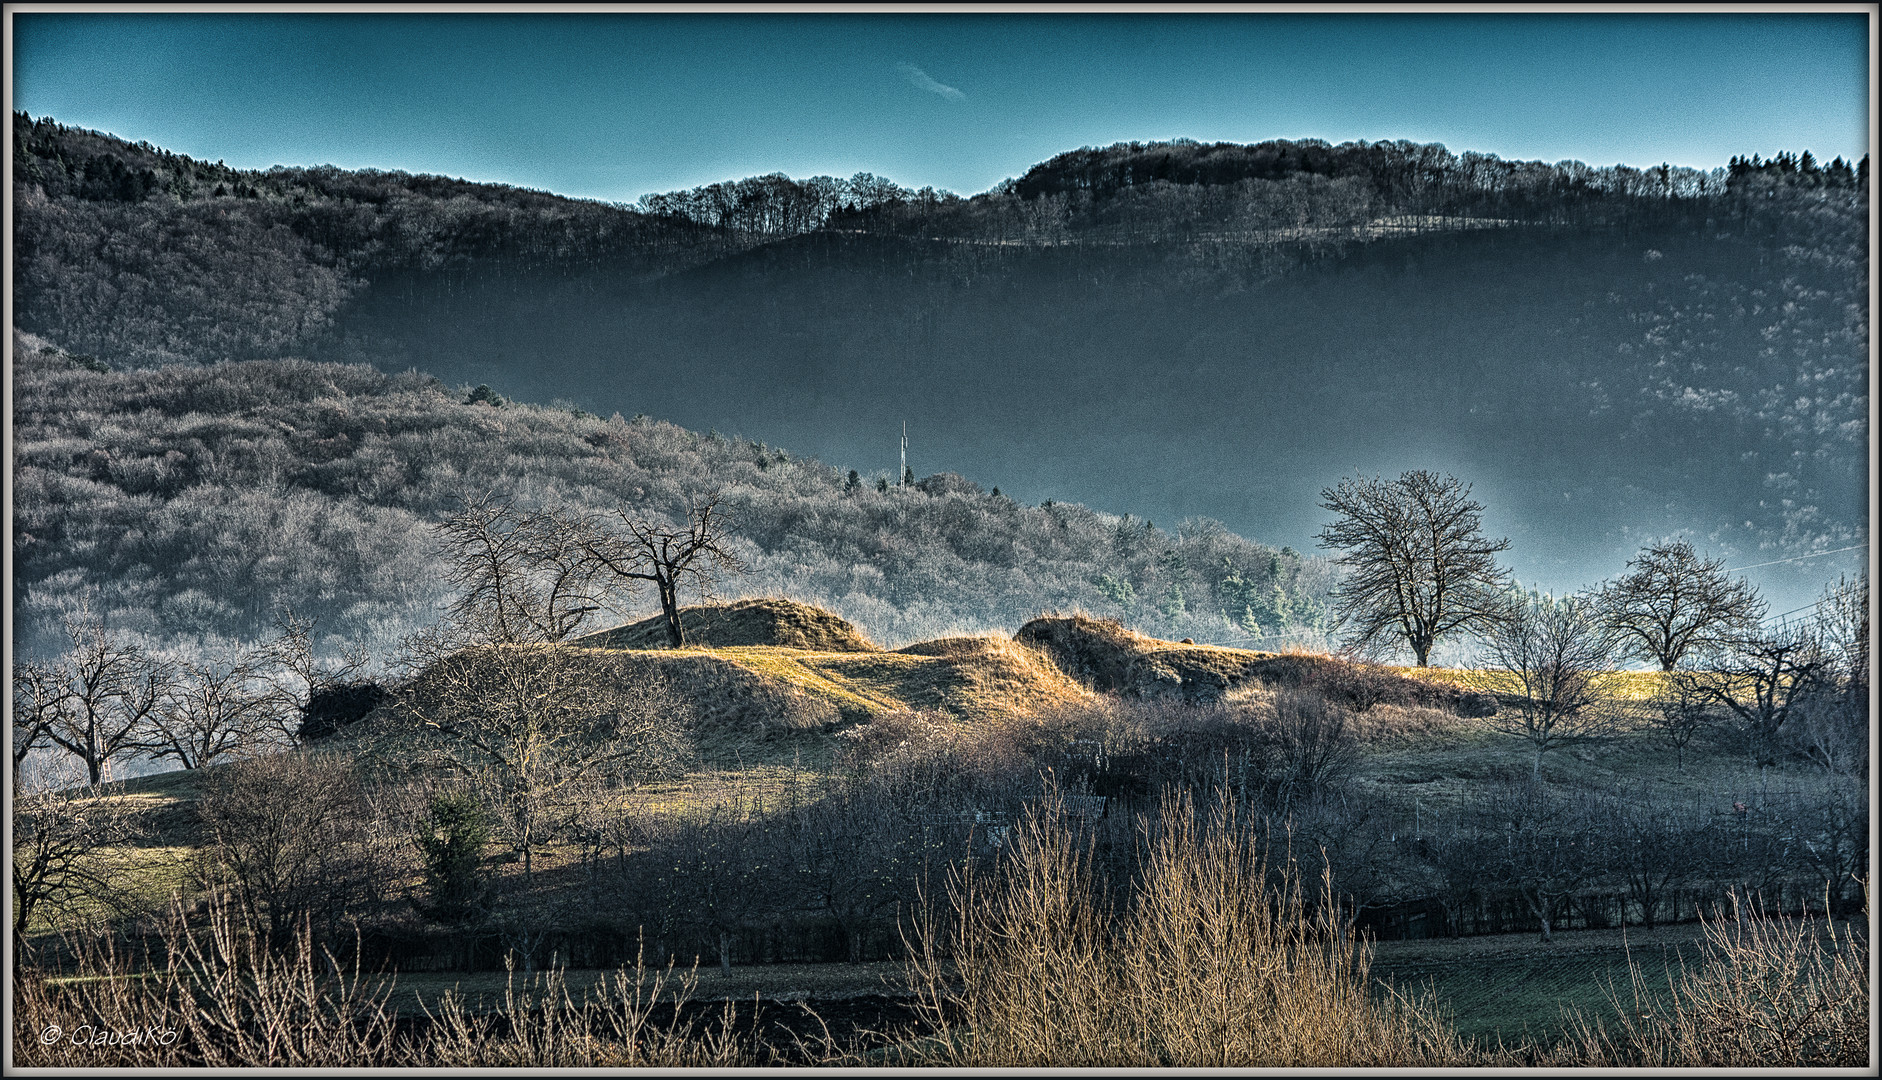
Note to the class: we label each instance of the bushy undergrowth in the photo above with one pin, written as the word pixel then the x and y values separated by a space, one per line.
pixel 1767 992
pixel 215 995
pixel 1219 958
pixel 1215 958
pixel 1191 933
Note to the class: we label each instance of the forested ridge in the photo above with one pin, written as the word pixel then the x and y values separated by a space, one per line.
pixel 137 254
pixel 1179 328
pixel 198 502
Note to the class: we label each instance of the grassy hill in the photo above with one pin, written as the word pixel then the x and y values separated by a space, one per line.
pixel 834 784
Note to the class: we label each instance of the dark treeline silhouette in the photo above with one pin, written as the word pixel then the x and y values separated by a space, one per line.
pixel 134 253
pixel 138 254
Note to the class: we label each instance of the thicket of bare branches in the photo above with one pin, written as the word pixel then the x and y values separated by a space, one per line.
pixel 1217 956
pixel 1548 661
pixel 292 837
pixel 524 722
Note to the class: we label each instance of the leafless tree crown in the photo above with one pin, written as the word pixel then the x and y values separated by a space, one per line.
pixel 98 698
pixel 527 721
pixel 669 556
pixel 526 575
pixel 1551 657
pixel 1674 602
pixel 1764 682
pixel 1418 565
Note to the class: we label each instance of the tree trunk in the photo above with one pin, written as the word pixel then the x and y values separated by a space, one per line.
pixel 725 953
pixel 527 831
pixel 670 606
pixel 1545 927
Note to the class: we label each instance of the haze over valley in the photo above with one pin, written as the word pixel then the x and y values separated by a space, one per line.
pixel 1168 330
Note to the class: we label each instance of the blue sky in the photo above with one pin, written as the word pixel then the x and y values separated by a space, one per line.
pixel 612 106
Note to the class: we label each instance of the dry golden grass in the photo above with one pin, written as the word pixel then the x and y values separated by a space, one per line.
pixel 1626 686
pixel 1782 992
pixel 764 620
pixel 1214 963
pixel 217 999
pixel 773 704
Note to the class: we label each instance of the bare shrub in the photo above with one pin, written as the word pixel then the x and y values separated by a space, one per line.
pixel 290 836
pixel 1313 744
pixel 1777 992
pixel 217 997
pixel 542 1025
pixel 932 757
pixel 1217 958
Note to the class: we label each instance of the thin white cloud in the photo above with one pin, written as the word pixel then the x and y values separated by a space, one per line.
pixel 920 78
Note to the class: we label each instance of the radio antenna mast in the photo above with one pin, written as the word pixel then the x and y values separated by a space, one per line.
pixel 904 473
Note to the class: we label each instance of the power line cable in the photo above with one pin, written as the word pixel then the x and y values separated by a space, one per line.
pixel 1795 610
pixel 1799 558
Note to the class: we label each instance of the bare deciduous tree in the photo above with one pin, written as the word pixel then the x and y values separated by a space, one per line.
pixel 1652 844
pixel 1418 564
pixel 38 695
pixel 669 556
pixel 1547 850
pixel 1765 681
pixel 61 841
pixel 726 870
pixel 212 709
pixel 1547 662
pixel 526 575
pixel 1680 711
pixel 1676 602
pixel 111 687
pixel 528 721
pixel 1831 726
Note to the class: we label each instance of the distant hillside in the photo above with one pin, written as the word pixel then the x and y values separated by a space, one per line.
pixel 1188 329
pixel 191 501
